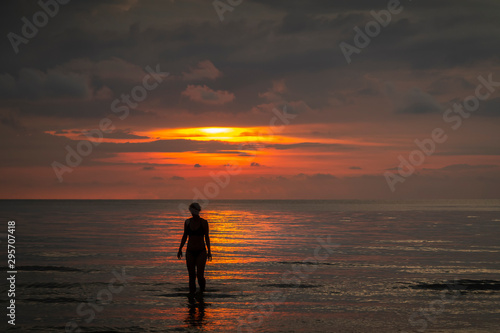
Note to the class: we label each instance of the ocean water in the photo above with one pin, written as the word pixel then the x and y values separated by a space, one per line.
pixel 278 266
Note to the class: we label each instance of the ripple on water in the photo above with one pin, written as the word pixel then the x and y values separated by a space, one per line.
pixel 462 284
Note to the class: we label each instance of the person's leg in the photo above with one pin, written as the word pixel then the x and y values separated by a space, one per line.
pixel 200 268
pixel 191 264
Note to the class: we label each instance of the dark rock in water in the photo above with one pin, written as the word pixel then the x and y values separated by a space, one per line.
pixel 464 285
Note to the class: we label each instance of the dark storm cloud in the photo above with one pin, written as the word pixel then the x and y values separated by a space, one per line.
pixel 250 51
pixel 33 84
pixel 205 36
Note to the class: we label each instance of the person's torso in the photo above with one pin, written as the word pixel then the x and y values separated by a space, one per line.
pixel 195 227
pixel 196 237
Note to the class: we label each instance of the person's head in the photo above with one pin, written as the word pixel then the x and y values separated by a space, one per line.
pixel 195 209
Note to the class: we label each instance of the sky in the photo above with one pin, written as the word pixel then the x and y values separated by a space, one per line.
pixel 250 99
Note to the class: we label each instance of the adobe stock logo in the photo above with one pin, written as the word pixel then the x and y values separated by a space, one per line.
pixel 30 29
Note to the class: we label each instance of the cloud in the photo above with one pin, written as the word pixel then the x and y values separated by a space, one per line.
pixel 34 84
pixel 321 176
pixel 472 151
pixel 313 145
pixel 204 70
pixel 255 164
pixel 490 108
pixel 449 84
pixel 165 146
pixel 177 178
pixel 297 22
pixel 461 167
pixel 197 165
pixel 205 95
pixel 276 93
pixel 148 168
pixel 315 176
pixel 415 101
pixel 11 122
pixel 291 107
pixel 107 69
pixel 95 184
pixel 124 134
pixel 355 168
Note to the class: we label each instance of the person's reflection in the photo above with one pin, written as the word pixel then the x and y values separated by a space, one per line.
pixel 196 311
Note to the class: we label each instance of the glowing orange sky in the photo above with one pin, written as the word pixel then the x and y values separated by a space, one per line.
pixel 281 160
pixel 268 90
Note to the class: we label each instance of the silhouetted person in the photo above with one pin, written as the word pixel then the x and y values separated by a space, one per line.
pixel 196 254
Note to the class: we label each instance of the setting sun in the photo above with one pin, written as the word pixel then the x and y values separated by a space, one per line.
pixel 229 134
pixel 216 130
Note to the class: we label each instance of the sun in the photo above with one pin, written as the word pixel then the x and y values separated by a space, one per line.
pixel 227 134
pixel 216 130
pixel 230 134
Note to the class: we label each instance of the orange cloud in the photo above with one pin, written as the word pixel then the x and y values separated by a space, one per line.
pixel 205 70
pixel 276 92
pixel 205 95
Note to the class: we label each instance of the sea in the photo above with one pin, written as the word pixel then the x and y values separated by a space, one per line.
pixel 278 266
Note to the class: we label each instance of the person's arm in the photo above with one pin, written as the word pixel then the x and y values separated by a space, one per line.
pixel 207 240
pixel 183 241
